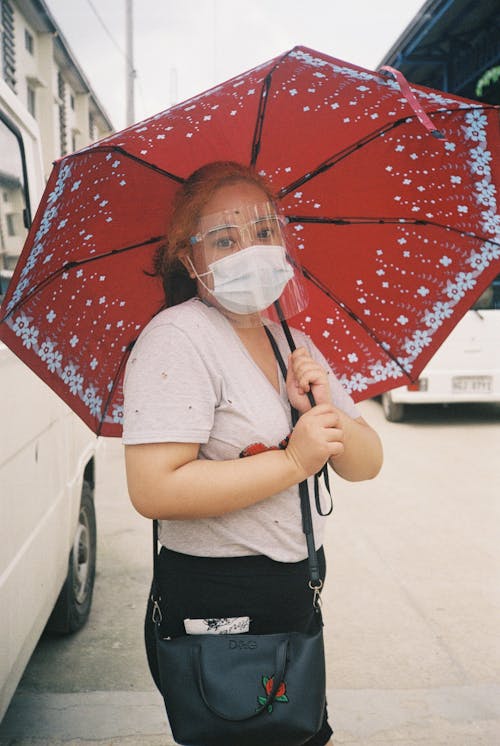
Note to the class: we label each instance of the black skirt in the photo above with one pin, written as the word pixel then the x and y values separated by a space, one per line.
pixel 274 595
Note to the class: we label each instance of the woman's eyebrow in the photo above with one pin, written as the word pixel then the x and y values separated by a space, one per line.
pixel 221 227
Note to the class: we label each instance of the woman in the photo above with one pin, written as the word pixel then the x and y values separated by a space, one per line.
pixel 203 388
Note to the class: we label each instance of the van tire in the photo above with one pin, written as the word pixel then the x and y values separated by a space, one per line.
pixel 75 599
pixel 394 411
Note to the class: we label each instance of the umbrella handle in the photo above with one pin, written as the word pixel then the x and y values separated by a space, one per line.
pixel 412 100
pixel 289 339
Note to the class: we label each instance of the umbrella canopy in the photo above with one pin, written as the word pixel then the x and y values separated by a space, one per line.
pixel 397 229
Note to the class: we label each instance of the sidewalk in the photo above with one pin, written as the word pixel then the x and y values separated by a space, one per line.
pixel 449 716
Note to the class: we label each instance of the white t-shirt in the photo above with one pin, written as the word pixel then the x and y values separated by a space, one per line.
pixel 190 379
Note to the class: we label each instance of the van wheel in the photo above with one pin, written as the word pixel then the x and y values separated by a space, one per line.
pixel 394 411
pixel 75 599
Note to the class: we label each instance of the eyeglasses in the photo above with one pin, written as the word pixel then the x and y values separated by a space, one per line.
pixel 230 236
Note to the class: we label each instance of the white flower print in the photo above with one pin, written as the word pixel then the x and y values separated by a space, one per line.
pixel 72 378
pixel 439 313
pixel 478 261
pixel 419 340
pixel 480 160
pixel 491 222
pixel 393 370
pixel 476 129
pixel 491 251
pixel 456 290
pixel 485 193
pixel 118 414
pixel 378 371
pixel 49 354
pixel 22 328
pixel 358 382
pixel 92 400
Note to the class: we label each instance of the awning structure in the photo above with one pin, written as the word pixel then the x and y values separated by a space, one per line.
pixel 451 45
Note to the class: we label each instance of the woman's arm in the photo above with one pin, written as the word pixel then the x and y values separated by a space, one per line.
pixel 168 481
pixel 362 456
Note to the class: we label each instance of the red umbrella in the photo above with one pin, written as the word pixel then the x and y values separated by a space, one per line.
pixel 397 226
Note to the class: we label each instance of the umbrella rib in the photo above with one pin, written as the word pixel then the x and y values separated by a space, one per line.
pixel 260 119
pixel 116 378
pixel 334 159
pixel 122 151
pixel 259 124
pixel 330 294
pixel 71 265
pixel 386 221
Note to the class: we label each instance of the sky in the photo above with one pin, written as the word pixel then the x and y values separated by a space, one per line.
pixel 183 48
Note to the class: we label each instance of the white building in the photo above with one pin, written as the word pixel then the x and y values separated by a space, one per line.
pixel 38 65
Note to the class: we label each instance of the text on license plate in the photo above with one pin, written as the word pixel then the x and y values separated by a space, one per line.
pixel 472 384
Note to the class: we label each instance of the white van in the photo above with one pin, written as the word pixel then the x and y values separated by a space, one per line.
pixel 47 455
pixel 466 368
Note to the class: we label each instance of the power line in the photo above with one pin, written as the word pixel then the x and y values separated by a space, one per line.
pixel 119 48
pixel 108 32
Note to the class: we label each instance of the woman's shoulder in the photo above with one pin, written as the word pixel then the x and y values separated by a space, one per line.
pixel 191 320
pixel 189 315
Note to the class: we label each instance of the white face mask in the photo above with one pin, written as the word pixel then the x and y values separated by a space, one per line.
pixel 249 280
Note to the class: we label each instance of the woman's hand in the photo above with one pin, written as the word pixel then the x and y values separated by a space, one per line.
pixel 304 375
pixel 317 437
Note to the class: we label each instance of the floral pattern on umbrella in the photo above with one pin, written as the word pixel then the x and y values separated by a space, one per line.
pixel 398 231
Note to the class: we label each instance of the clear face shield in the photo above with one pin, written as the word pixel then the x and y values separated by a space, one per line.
pixel 244 266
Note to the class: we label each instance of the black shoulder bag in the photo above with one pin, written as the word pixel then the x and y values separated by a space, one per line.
pixel 213 685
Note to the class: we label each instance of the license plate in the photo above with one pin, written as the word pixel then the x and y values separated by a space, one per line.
pixel 472 384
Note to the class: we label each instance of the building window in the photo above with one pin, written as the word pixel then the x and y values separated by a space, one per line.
pixel 8 45
pixel 72 102
pixel 91 127
pixel 29 42
pixel 13 203
pixel 31 101
pixel 11 225
pixel 63 135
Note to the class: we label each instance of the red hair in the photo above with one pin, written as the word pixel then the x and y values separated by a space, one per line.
pixel 189 202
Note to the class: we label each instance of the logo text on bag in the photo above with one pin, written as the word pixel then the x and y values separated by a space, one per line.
pixel 242 644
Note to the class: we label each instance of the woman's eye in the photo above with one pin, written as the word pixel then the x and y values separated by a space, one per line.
pixel 224 243
pixel 264 234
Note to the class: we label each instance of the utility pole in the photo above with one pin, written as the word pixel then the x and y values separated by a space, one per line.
pixel 130 70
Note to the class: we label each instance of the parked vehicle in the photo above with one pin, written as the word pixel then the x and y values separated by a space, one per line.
pixel 47 455
pixel 466 368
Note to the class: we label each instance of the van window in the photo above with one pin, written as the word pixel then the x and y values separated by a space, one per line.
pixel 13 203
pixel 490 298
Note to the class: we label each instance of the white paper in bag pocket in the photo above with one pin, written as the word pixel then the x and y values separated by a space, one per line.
pixel 226 626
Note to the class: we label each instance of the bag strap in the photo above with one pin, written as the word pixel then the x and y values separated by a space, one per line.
pixel 315 581
pixel 324 471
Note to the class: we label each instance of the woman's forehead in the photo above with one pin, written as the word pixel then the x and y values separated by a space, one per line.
pixel 235 198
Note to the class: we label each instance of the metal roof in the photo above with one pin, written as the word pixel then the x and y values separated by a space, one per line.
pixel 449 44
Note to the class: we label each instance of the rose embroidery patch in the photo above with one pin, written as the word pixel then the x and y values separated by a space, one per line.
pixel 268 684
pixel 255 448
